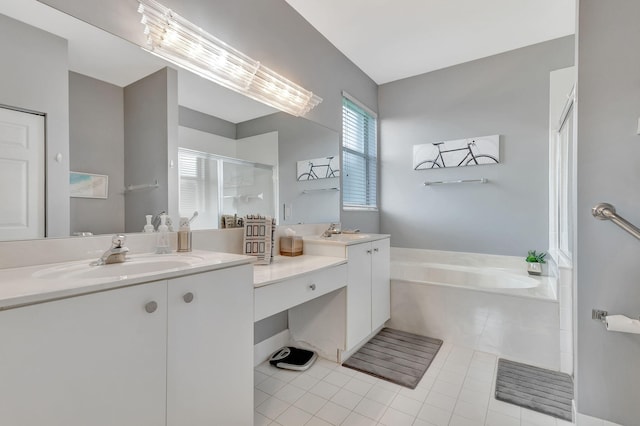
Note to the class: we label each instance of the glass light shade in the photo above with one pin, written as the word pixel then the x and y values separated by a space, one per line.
pixel 179 41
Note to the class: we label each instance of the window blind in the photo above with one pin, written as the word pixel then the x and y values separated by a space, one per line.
pixel 359 157
pixel 193 185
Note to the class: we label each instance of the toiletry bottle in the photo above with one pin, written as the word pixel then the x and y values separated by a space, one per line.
pixel 162 245
pixel 149 227
pixel 184 235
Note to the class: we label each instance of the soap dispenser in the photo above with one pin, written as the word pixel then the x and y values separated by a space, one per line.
pixel 162 245
pixel 149 227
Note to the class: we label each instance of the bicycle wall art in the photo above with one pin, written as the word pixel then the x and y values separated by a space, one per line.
pixel 318 168
pixel 457 153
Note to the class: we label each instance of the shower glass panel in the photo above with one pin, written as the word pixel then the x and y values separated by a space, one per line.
pixel 215 185
pixel 248 188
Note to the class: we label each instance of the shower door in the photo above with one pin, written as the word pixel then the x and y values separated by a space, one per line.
pixel 217 186
pixel 248 188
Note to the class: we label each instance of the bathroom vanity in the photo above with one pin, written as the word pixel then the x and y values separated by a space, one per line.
pixel 154 345
pixel 368 276
pixel 336 295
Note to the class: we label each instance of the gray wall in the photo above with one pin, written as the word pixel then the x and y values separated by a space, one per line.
pixel 608 370
pixel 147 123
pixel 300 139
pixel 96 145
pixel 206 123
pixel 506 94
pixel 269 31
pixel 35 78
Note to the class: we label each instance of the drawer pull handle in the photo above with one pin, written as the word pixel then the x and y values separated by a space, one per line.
pixel 312 287
pixel 188 297
pixel 151 307
pixel 375 250
pixel 368 251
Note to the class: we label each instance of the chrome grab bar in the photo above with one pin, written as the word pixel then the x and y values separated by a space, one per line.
pixel 605 211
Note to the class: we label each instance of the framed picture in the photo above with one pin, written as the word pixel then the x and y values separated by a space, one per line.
pixel 87 185
pixel 318 168
pixel 457 153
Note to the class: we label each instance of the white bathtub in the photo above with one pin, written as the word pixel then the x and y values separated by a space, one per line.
pixel 484 302
pixel 502 280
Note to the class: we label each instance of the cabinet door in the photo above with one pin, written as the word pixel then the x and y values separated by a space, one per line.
pixel 380 283
pixel 358 293
pixel 96 360
pixel 210 349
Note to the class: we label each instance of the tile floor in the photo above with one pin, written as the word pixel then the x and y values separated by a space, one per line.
pixel 457 390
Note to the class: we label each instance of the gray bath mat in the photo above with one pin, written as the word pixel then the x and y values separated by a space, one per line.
pixel 548 392
pixel 396 356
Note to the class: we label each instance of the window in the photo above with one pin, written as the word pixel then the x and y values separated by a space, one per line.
pixel 359 156
pixel 198 188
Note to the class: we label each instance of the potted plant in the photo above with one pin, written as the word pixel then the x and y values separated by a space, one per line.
pixel 534 262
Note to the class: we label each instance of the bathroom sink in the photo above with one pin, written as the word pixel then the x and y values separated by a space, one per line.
pixel 339 238
pixel 348 237
pixel 133 266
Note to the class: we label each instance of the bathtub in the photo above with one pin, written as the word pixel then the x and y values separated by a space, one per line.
pixel 492 279
pixel 484 302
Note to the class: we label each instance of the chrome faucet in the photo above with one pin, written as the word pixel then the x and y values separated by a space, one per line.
pixel 334 228
pixel 116 254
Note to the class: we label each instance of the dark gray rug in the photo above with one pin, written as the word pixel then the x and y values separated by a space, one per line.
pixel 396 356
pixel 548 392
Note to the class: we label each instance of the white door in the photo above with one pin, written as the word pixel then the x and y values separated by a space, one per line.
pixel 380 283
pixel 22 174
pixel 358 293
pixel 94 360
pixel 210 349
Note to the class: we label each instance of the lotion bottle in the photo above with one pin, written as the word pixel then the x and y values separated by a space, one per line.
pixel 162 245
pixel 148 227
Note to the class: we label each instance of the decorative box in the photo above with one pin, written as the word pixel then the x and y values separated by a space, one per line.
pixel 290 246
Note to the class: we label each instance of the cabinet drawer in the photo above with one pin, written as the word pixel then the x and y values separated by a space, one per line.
pixel 273 298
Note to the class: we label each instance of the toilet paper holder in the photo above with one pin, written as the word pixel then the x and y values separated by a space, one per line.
pixel 600 315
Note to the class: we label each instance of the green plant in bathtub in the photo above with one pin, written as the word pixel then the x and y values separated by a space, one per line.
pixel 535 261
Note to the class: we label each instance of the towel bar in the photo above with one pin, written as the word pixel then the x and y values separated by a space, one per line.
pixel 446 182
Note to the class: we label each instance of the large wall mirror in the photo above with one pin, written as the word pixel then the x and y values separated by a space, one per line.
pixel 120 116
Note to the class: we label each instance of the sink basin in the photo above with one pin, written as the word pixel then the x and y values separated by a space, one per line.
pixel 134 266
pixel 348 237
pixel 339 238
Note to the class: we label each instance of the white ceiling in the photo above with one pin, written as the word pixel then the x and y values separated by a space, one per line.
pixel 394 39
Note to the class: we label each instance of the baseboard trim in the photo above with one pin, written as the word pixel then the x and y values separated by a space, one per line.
pixel 264 349
pixel 344 355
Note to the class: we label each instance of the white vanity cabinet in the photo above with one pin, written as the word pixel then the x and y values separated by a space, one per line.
pixel 97 359
pixel 210 349
pixel 175 352
pixel 368 291
pixel 368 280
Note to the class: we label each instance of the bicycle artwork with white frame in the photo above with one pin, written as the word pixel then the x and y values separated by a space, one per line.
pixel 318 168
pixel 457 153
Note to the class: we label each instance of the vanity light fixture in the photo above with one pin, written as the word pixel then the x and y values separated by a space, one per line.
pixel 174 38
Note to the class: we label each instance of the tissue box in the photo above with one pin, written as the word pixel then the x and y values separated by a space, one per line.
pixel 290 246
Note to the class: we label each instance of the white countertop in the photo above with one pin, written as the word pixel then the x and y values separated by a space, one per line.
pixel 285 267
pixel 34 284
